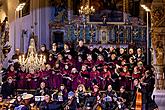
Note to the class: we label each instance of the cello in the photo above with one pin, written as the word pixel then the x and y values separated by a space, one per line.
pixel 138 105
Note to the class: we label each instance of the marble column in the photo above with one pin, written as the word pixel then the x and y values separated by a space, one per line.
pixel 158 41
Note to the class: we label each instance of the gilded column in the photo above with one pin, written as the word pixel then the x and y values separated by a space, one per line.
pixel 158 41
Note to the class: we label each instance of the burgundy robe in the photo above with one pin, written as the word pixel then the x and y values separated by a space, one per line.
pixel 99 62
pixel 33 80
pixel 107 79
pixel 125 80
pixel 90 63
pixel 51 62
pixel 21 83
pixel 11 74
pixel 56 79
pixel 71 62
pixel 85 78
pixel 94 78
pixel 79 65
pixel 44 76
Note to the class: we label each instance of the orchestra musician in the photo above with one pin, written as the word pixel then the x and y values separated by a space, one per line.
pixel 42 90
pixel 25 104
pixel 72 102
pixel 80 96
pixel 147 86
pixel 123 99
pixel 48 104
pixel 8 88
pixel 113 96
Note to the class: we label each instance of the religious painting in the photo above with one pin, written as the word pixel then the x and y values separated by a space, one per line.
pixel 60 10
pixel 107 11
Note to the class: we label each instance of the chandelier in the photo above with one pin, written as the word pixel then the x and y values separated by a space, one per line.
pixel 32 61
pixel 86 10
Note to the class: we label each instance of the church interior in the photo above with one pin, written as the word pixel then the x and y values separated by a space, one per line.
pixel 82 54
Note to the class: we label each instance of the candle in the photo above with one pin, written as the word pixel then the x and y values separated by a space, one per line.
pixel 84 25
pixel 20 59
pixel 41 58
pixel 77 26
pixel 23 58
pixel 44 60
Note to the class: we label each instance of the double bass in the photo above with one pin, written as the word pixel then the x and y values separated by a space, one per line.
pixel 138 103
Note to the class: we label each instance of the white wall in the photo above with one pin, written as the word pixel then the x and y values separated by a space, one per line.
pixel 39 14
